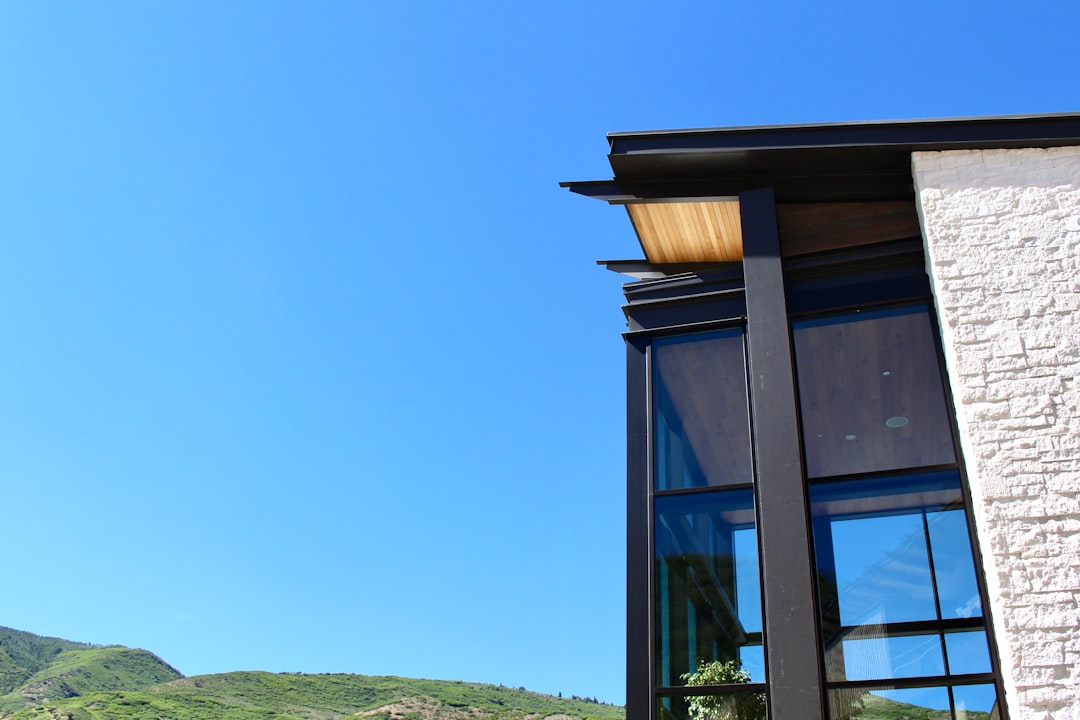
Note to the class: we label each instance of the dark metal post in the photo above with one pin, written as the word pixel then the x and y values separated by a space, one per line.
pixel 792 649
pixel 638 559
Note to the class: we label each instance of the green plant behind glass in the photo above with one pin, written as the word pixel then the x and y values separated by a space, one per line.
pixel 740 706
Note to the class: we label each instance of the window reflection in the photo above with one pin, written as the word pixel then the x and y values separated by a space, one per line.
pixel 708 600
pixel 961 702
pixel 882 569
pixel 892 657
pixel 967 652
pixel 894 550
pixel 870 393
pixel 973 702
pixel 701 418
pixel 955 571
pixel 898 592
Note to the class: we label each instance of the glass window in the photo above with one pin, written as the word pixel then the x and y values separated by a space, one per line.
pixel 701 416
pixel 967 652
pixel 882 569
pixel 957 589
pixel 977 701
pixel 962 702
pixel 898 594
pixel 892 657
pixel 894 550
pixel 708 597
pixel 870 393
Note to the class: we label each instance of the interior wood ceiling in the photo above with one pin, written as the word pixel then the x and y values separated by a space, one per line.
pixel 705 381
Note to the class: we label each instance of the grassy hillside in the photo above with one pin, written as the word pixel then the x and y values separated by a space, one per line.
pixel 878 708
pixel 82 671
pixel 268 696
pixel 53 678
pixel 22 654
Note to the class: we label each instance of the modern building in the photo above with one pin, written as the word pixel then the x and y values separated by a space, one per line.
pixel 853 429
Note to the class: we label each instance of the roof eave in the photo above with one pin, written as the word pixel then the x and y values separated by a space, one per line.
pixel 803 163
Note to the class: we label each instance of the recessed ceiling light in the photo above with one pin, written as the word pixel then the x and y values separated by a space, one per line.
pixel 897 421
pixel 886 373
pixel 849 437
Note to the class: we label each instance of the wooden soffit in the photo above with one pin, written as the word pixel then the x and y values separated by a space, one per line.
pixel 813 227
pixel 689 231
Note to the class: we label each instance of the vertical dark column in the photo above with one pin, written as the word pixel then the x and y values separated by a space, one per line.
pixel 638 559
pixel 791 642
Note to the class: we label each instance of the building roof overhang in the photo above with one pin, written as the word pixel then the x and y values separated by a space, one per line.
pixel 821 163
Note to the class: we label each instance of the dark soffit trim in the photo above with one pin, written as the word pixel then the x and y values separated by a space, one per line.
pixel 855 161
pixel 995 131
pixel 817 186
pixel 645 270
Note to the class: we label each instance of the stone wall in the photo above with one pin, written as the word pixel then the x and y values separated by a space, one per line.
pixel 1002 231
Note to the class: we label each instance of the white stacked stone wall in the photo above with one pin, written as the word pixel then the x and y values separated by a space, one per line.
pixel 1002 233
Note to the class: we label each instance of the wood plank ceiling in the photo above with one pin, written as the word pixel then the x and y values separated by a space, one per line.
pixel 706 231
pixel 689 232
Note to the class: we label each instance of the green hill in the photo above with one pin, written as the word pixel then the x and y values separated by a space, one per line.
pixel 78 672
pixel 50 678
pixel 37 669
pixel 268 696
pixel 22 654
pixel 875 707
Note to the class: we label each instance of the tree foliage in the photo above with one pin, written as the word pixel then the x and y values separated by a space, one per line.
pixel 730 706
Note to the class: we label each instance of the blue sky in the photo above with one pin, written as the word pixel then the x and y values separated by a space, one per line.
pixel 307 362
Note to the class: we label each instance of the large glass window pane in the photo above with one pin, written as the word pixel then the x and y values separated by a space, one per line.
pixel 892 657
pixel 886 703
pixel 882 569
pixel 957 590
pixel 708 601
pixel 870 393
pixel 896 578
pixel 959 702
pixel 701 416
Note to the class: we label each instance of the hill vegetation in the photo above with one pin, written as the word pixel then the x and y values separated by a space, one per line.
pixel 35 669
pixel 53 679
pixel 269 696
pixel 22 654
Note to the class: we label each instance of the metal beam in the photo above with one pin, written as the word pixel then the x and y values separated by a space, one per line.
pixel 792 646
pixel 638 557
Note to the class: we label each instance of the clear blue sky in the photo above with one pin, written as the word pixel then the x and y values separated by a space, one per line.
pixel 306 363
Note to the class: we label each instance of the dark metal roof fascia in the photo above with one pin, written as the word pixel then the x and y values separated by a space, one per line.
pixel 806 163
pixel 847 147
pixel 887 184
pixel 976 131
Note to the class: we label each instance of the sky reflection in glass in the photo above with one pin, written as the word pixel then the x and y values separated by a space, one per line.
pixel 882 570
pixel 895 565
pixel 708 598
